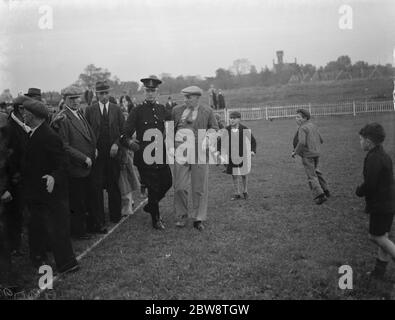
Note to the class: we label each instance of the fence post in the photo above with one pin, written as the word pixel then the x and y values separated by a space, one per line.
pixel 353 108
pixel 266 116
pixel 310 108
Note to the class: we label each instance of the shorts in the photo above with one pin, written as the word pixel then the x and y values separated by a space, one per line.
pixel 380 224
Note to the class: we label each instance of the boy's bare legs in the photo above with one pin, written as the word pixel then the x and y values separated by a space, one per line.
pixel 236 188
pixel 245 191
pixel 385 244
pixel 386 250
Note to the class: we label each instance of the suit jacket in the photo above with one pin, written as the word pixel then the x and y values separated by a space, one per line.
pixel 79 143
pixel 18 140
pixel 205 118
pixel 44 155
pixel 116 120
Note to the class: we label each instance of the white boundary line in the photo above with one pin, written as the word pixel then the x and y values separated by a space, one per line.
pixel 94 245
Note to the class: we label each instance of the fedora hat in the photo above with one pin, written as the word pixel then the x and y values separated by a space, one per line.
pixel 102 86
pixel 151 82
pixel 33 93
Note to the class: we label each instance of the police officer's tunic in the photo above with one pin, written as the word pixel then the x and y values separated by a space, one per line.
pixel 157 176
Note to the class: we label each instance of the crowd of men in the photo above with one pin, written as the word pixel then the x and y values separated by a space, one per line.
pixel 55 167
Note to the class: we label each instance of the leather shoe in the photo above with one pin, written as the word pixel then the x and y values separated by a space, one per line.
pixel 198 225
pixel 158 225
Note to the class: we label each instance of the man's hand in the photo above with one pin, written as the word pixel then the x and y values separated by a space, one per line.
pixel 253 153
pixel 134 145
pixel 293 154
pixel 6 197
pixel 50 182
pixel 114 150
pixel 88 162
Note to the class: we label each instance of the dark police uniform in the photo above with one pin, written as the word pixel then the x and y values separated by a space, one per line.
pixel 155 177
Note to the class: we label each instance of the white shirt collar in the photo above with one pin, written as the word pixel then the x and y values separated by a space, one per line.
pixel 75 112
pixel 25 127
pixel 101 105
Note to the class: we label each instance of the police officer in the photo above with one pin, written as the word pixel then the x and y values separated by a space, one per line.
pixel 155 176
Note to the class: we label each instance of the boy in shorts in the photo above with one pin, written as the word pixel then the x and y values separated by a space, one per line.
pixel 379 192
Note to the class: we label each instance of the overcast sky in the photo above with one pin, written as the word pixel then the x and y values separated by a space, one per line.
pixel 136 38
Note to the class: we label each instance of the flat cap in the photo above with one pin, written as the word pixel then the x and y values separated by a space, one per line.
pixel 192 91
pixel 235 114
pixel 72 92
pixel 38 108
pixel 304 113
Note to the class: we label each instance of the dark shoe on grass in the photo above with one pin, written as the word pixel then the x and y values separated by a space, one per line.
pixel 245 195
pixel 327 193
pixel 198 225
pixel 378 271
pixel 235 197
pixel 320 199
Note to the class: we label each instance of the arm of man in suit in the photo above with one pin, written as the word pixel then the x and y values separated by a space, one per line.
pixel 78 156
pixel 120 123
pixel 129 129
pixel 56 153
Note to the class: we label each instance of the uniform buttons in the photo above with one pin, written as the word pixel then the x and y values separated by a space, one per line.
pixel 156 122
pixel 145 122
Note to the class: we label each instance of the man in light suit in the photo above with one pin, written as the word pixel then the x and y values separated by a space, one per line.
pixel 107 122
pixel 191 116
pixel 80 145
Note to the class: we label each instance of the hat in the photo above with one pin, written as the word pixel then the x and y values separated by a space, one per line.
pixel 192 91
pixel 38 108
pixel 304 113
pixel 72 92
pixel 151 82
pixel 33 92
pixel 235 114
pixel 102 86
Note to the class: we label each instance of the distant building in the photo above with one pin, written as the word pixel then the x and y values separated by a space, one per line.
pixel 281 66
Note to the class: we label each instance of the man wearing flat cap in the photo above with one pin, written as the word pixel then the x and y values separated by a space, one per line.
pixel 45 190
pixel 80 145
pixel 156 177
pixel 191 116
pixel 107 122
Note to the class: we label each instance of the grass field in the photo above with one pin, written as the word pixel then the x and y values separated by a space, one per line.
pixel 276 245
pixel 302 93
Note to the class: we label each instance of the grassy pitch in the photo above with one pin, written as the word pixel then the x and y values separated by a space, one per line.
pixel 276 245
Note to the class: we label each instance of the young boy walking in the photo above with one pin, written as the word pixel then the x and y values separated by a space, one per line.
pixel 379 191
pixel 237 142
pixel 307 145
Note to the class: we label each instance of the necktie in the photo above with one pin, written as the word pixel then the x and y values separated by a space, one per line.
pixel 104 111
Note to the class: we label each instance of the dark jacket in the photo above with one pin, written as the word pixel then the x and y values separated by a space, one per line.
pixel 116 120
pixel 241 144
pixel 18 140
pixel 44 156
pixel 378 186
pixel 79 143
pixel 147 115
